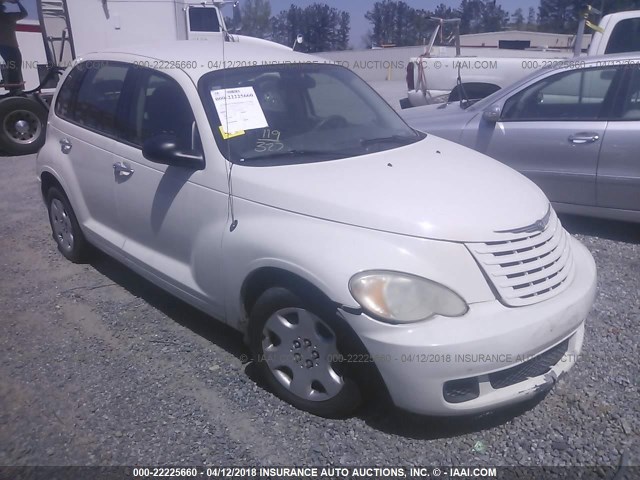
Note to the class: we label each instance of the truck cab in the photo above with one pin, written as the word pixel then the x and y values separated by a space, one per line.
pixel 620 33
pixel 130 22
pixel 68 29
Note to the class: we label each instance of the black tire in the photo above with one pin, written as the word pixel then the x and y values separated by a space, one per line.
pixel 331 389
pixel 23 125
pixel 65 228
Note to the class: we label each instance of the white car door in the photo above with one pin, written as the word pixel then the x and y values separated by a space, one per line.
pixel 172 217
pixel 86 110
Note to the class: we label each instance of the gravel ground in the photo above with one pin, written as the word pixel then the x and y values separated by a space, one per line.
pixel 99 367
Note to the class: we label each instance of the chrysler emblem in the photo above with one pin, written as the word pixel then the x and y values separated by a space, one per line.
pixel 537 226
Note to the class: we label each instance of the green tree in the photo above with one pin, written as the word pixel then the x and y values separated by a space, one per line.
pixel 518 19
pixel 324 28
pixel 612 6
pixel 287 25
pixel 562 16
pixel 494 17
pixel 344 29
pixel 397 23
pixel 470 16
pixel 256 18
pixel 367 38
pixel 443 11
pixel 532 24
pixel 479 16
pixel 559 16
pixel 382 17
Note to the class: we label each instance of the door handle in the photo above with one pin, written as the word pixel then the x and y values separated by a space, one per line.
pixel 123 169
pixel 65 145
pixel 583 138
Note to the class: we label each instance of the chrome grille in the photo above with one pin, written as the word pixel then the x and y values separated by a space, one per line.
pixel 528 268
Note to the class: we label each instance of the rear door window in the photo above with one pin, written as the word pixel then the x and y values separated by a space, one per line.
pixel 631 103
pixel 67 94
pixel 96 105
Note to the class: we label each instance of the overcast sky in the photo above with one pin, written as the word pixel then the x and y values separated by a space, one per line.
pixel 357 9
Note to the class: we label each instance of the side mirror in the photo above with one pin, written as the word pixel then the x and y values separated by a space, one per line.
pixel 164 149
pixel 237 17
pixel 492 114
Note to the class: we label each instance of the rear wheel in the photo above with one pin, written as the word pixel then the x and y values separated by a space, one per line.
pixel 22 126
pixel 298 349
pixel 65 228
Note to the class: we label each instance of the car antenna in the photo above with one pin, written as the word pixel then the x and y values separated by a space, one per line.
pixel 229 170
pixel 463 93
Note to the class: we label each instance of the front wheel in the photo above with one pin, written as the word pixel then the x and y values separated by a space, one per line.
pixel 299 353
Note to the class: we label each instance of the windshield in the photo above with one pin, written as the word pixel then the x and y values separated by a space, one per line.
pixel 298 113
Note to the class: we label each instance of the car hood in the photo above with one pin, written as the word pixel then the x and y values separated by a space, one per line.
pixel 431 189
pixel 446 119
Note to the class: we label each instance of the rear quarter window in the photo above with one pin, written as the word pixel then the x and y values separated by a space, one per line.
pixel 91 94
pixel 97 103
pixel 66 95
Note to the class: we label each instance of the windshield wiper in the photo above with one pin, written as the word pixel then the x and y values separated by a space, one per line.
pixel 301 153
pixel 392 139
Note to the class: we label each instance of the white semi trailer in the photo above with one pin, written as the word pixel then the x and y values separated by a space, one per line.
pixel 69 28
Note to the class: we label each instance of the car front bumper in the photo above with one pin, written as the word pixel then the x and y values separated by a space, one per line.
pixel 417 360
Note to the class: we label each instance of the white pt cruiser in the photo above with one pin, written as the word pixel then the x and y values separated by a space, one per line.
pixel 283 196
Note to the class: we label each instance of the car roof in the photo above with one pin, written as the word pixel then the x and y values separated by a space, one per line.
pixel 634 57
pixel 197 57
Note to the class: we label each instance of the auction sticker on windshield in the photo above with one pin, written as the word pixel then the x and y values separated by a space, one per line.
pixel 238 109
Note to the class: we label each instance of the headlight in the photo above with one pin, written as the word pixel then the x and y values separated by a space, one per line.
pixel 402 298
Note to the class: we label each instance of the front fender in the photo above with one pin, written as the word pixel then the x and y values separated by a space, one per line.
pixel 327 254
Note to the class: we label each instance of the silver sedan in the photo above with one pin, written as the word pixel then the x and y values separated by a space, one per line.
pixel 574 130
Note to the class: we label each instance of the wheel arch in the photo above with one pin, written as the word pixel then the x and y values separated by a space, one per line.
pixel 48 180
pixel 261 279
